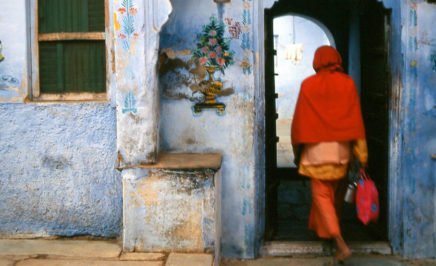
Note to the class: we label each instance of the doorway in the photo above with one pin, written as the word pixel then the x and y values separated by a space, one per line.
pixel 359 30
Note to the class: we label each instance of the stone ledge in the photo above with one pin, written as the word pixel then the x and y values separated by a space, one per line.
pixel 184 161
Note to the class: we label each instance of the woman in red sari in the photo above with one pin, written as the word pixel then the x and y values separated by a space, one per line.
pixel 327 130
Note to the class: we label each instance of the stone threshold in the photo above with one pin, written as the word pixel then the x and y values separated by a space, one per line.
pixel 320 248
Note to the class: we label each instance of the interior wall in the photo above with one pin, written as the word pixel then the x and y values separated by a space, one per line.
pixel 290 74
pixel 335 20
pixel 231 134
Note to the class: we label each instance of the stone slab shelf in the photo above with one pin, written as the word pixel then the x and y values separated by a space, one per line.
pixel 184 161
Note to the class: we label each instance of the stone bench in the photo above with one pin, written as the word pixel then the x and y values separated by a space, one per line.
pixel 173 205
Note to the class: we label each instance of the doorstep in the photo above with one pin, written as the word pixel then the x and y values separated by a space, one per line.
pixel 320 248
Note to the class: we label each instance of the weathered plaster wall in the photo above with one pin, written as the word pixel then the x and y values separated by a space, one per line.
pixel 57 170
pixel 231 134
pixel 13 36
pixel 169 210
pixel 418 110
pixel 412 178
pixel 137 24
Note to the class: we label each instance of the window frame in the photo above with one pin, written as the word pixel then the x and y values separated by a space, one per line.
pixel 35 92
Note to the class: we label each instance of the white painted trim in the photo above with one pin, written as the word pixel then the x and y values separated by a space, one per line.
pixel 34 90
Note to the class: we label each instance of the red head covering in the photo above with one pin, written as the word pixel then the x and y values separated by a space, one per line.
pixel 328 107
pixel 327 58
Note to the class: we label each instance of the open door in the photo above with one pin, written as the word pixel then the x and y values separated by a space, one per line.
pixel 272 182
pixel 375 94
pixel 375 32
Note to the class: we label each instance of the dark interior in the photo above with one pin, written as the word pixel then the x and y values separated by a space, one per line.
pixel 288 196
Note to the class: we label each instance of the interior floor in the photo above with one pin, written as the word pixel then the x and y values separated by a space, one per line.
pixel 293 206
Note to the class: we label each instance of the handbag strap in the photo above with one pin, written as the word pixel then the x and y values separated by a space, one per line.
pixel 363 174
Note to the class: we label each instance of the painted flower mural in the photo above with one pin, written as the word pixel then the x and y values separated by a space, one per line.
pixel 195 69
pixel 213 53
pixel 212 48
pixel 126 29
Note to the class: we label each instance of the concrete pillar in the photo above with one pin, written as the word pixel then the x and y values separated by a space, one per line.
pixel 137 24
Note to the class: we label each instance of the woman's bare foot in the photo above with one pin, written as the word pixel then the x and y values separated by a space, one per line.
pixel 342 255
pixel 343 250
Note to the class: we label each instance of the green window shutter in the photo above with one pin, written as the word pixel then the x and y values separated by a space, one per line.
pixel 85 66
pixel 96 13
pixel 48 67
pixel 70 16
pixel 72 66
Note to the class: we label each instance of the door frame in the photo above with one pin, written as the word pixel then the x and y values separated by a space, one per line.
pixel 394 145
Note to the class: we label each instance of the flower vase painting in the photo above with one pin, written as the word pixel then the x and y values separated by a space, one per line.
pixel 212 53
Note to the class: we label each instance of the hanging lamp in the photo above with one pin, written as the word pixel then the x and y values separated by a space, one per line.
pixel 294 51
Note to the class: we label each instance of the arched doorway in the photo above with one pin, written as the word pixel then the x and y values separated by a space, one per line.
pixel 360 30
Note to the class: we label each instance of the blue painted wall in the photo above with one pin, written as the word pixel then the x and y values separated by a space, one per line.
pixel 57 167
pixel 57 170
pixel 412 111
pixel 230 134
pixel 418 130
pixel 13 35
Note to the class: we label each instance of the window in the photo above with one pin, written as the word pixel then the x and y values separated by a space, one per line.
pixel 70 50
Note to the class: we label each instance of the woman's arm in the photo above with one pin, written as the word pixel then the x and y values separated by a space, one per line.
pixel 360 151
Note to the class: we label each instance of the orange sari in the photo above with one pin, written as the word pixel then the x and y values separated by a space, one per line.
pixel 326 203
pixel 327 110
